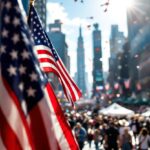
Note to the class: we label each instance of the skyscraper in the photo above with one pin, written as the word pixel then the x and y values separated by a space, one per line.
pixel 81 63
pixel 97 63
pixel 138 18
pixel 117 40
pixel 59 41
pixel 40 6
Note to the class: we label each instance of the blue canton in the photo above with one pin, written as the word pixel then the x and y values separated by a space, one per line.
pixel 18 64
pixel 39 35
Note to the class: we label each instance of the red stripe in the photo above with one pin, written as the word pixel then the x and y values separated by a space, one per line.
pixel 44 52
pixel 61 119
pixel 75 86
pixel 22 116
pixel 61 73
pixel 68 84
pixel 9 138
pixel 38 130
pixel 47 60
pixel 49 69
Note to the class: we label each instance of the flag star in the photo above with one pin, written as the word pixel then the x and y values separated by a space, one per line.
pixel 16 21
pixel 38 41
pixel 25 54
pixel 39 33
pixel 35 30
pixel 34 76
pixel 8 5
pixel 21 86
pixel 12 70
pixel 22 69
pixel 4 33
pixel 17 9
pixel 2 49
pixel 31 92
pixel 15 38
pixel 7 19
pixel 14 54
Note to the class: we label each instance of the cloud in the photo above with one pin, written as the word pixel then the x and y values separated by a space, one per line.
pixel 70 26
pixel 57 11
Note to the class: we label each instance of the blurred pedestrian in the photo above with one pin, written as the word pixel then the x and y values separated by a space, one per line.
pixel 90 135
pixel 144 139
pixel 96 138
pixel 80 134
pixel 126 140
pixel 111 137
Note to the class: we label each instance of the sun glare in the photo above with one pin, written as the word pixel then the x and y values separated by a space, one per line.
pixel 121 5
pixel 128 3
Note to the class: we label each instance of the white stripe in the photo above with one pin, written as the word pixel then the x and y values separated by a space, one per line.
pixel 42 47
pixel 49 124
pixel 74 90
pixel 63 143
pixel 2 146
pixel 45 56
pixel 38 47
pixel 46 64
pixel 66 87
pixel 12 115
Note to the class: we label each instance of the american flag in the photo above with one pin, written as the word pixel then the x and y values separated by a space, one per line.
pixel 48 57
pixel 30 115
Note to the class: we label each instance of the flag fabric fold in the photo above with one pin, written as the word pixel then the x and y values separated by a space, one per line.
pixel 30 115
pixel 48 57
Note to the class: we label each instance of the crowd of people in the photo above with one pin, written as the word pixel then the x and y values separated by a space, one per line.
pixel 110 132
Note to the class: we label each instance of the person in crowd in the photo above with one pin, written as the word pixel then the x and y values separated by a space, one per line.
pixel 111 137
pixel 96 138
pixel 80 134
pixel 90 133
pixel 126 140
pixel 144 139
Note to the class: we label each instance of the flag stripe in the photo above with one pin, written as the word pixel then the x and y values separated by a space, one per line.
pixel 16 119
pixel 9 137
pixel 49 123
pixel 2 146
pixel 44 51
pixel 49 69
pixel 66 83
pixel 38 129
pixel 44 60
pixel 46 64
pixel 46 56
pixel 54 105
pixel 73 87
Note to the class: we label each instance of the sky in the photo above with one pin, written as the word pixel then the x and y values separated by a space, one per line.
pixel 75 14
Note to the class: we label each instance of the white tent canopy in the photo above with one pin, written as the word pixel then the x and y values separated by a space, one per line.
pixel 147 113
pixel 116 110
